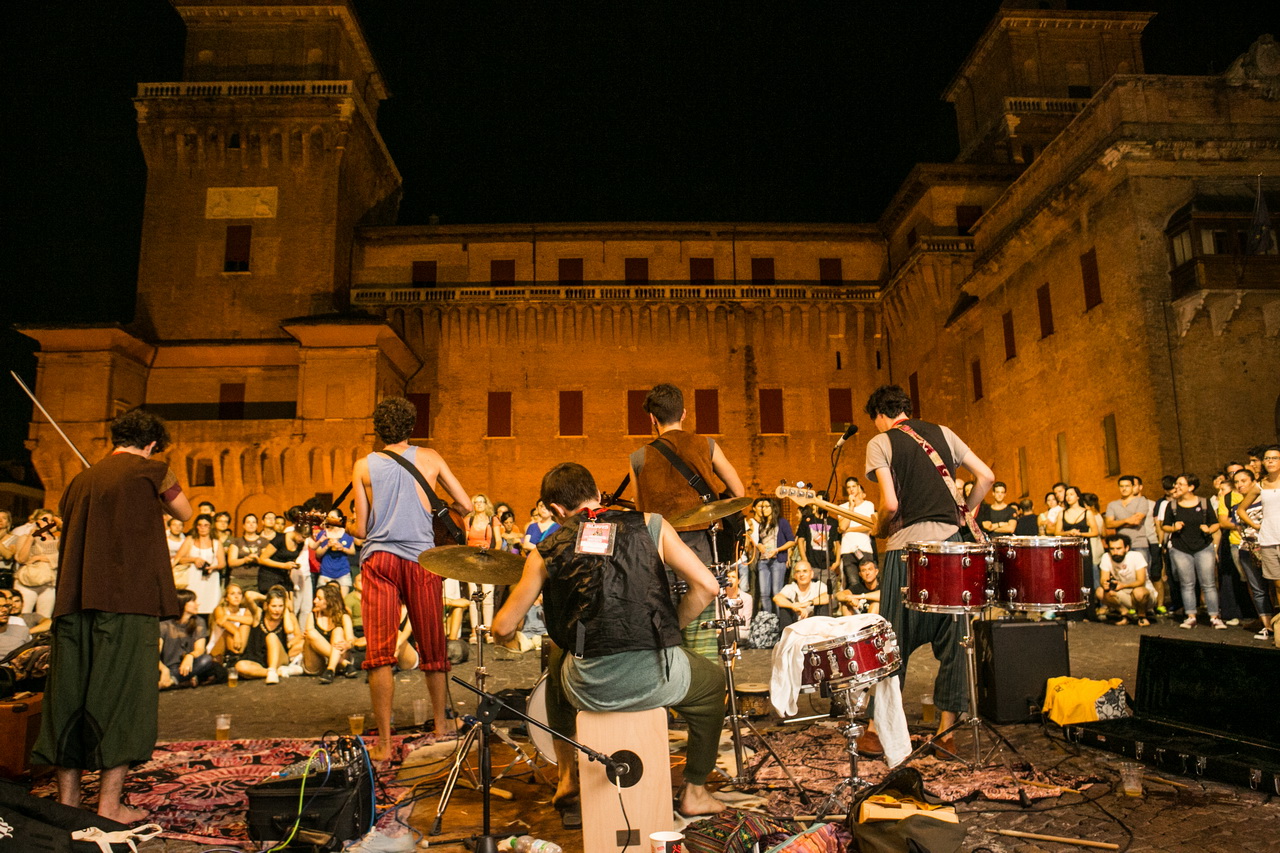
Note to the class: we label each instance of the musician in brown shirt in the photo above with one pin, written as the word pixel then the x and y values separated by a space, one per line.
pixel 114 587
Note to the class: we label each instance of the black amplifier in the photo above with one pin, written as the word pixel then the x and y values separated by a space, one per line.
pixel 329 805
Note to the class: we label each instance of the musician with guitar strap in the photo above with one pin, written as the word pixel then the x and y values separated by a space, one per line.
pixel 673 475
pixel 394 491
pixel 914 462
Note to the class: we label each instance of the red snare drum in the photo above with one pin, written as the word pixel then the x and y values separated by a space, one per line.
pixel 949 577
pixel 1042 573
pixel 855 660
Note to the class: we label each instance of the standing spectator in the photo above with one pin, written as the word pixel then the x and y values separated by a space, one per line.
pixel 1255 462
pixel 1075 518
pixel 1054 513
pixel 1246 521
pixel 771 539
pixel 1130 516
pixel 801 598
pixel 479 527
pixel 101 700
pixel 173 536
pixel 998 518
pixel 1047 519
pixel 1230 575
pixel 223 533
pixel 1268 528
pixel 333 544
pixel 37 557
pixel 268 530
pixel 540 527
pixel 855 538
pixel 7 563
pixel 250 549
pixel 202 559
pixel 1191 524
pixel 1026 523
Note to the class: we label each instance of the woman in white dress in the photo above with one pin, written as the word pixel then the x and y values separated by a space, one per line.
pixel 203 556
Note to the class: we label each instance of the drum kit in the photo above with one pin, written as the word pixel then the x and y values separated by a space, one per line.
pixel 1022 574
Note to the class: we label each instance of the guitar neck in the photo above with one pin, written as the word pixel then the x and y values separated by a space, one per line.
pixel 843 513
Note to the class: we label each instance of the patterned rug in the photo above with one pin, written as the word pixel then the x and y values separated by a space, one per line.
pixel 818 759
pixel 197 790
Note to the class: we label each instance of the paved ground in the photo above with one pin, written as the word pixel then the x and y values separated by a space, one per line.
pixel 1200 817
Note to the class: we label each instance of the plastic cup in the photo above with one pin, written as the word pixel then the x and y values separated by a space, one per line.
pixel 928 713
pixel 356 722
pixel 419 711
pixel 233 678
pixel 1131 778
pixel 222 727
pixel 666 842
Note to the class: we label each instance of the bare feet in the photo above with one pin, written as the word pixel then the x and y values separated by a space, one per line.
pixel 380 752
pixel 697 800
pixel 122 813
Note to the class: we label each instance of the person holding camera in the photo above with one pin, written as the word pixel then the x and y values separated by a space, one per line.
pixel 1125 586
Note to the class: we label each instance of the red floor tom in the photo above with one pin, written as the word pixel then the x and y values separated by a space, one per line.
pixel 854 660
pixel 1042 573
pixel 949 577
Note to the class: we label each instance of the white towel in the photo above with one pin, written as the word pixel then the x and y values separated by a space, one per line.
pixel 788 668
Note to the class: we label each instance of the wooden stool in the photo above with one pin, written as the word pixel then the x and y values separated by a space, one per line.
pixel 648 802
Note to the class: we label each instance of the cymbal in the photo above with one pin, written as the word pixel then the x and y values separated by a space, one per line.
pixel 709 512
pixel 472 565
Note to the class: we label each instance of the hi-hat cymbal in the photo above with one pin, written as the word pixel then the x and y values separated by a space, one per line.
pixel 472 565
pixel 709 512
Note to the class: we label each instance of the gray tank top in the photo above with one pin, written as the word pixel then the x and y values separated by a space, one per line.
pixel 398 523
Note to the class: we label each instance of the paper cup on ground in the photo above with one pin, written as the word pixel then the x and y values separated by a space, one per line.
pixel 666 842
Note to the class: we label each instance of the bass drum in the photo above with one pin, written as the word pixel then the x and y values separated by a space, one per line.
pixel 542 741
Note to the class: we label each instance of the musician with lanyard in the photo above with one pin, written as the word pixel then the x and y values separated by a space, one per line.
pixel 616 630
pixel 915 462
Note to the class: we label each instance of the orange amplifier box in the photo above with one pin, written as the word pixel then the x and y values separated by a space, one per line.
pixel 19 725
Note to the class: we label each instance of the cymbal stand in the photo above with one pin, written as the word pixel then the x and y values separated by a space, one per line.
pixel 971 719
pixel 474 733
pixel 854 699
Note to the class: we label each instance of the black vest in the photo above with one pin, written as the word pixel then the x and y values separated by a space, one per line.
pixel 922 493
pixel 597 605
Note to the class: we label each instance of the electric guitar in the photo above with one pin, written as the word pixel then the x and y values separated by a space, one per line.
pixel 808 497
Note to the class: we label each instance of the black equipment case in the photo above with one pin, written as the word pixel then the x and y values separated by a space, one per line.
pixel 1208 710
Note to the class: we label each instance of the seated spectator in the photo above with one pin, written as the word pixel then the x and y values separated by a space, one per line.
pixel 455 607
pixel 354 600
pixel 271 642
pixel 327 634
pixel 232 619
pixel 406 651
pixel 202 560
pixel 862 596
pixel 1026 523
pixel 797 600
pixel 184 661
pixel 1125 585
pixel 13 630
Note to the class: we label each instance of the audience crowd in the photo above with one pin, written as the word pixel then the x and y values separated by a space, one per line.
pixel 281 597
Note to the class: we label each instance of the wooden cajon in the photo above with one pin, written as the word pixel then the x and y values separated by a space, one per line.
pixel 648 802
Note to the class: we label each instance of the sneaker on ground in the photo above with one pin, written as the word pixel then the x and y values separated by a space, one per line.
pixel 1217 623
pixel 273 676
pixel 1264 634
pixel 1189 624
pixel 1234 623
pixel 291 669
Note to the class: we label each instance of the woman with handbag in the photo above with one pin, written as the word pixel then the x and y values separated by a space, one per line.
pixel 36 577
pixel 771 540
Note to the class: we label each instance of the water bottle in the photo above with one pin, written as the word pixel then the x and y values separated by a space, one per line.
pixel 529 844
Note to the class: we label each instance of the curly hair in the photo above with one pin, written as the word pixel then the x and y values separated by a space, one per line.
pixel 138 428
pixel 394 419
pixel 888 400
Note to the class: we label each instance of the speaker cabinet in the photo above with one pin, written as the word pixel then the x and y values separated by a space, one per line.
pixel 1015 659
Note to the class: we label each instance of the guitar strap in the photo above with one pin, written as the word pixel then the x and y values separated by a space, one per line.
pixel 962 512
pixel 436 504
pixel 693 478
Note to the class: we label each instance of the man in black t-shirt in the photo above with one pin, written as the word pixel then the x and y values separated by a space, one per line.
pixel 997 517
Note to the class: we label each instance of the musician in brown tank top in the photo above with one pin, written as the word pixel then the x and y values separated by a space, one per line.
pixel 660 488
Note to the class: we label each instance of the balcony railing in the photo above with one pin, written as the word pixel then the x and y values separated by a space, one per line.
pixel 228 88
pixel 1044 105
pixel 943 243
pixel 800 291
pixel 1227 272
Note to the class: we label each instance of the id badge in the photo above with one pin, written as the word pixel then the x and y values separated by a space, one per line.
pixel 595 538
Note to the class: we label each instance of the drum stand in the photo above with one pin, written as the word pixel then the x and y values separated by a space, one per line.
pixel 971 719
pixel 854 699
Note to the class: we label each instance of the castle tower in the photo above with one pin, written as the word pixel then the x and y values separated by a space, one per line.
pixel 1032 71
pixel 260 164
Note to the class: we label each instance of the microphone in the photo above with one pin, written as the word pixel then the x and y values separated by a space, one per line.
pixel 849 433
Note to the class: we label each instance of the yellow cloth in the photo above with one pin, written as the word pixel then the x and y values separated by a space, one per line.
pixel 1075 700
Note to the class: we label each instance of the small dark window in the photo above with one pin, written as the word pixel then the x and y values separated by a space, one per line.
pixel 840 407
pixel 977 379
pixel 1112 444
pixel 706 411
pixel 637 417
pixel 1092 284
pixel 424 273
pixel 570 413
pixel 839 362
pixel 422 426
pixel 878 365
pixel 1046 311
pixel 499 414
pixel 231 401
pixel 1028 154
pixel 236 257
pixel 1010 342
pixel 966 216
pixel 913 237
pixel 913 391
pixel 762 271
pixel 772 421
pixel 200 472
pixel 830 271
pixel 570 271
pixel 502 272
pixel 636 270
pixel 233 141
pixel 1079 91
pixel 702 270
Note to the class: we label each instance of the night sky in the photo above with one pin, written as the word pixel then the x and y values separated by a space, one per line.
pixel 528 112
